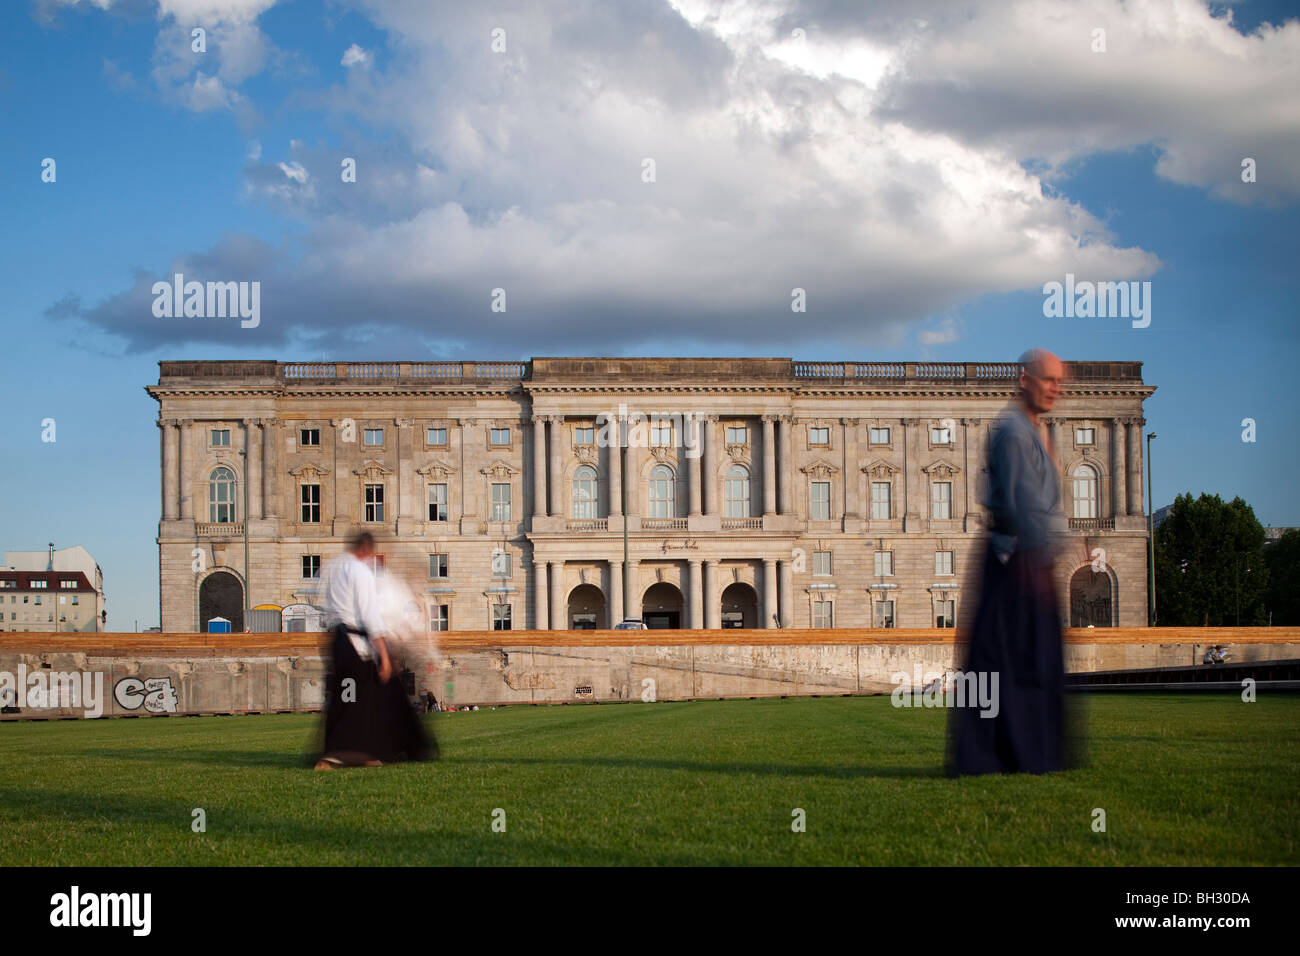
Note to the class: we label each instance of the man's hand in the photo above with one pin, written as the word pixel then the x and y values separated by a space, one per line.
pixel 385 664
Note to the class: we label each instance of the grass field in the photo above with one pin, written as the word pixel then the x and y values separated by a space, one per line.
pixel 1190 779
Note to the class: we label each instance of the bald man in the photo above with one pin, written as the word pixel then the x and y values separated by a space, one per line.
pixel 1015 637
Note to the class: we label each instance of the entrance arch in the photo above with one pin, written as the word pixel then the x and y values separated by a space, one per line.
pixel 222 595
pixel 739 605
pixel 586 608
pixel 661 606
pixel 1091 598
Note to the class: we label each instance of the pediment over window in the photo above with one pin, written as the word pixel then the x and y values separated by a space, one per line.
pixel 821 468
pixel 309 470
pixel 941 469
pixel 372 469
pixel 499 469
pixel 880 469
pixel 436 469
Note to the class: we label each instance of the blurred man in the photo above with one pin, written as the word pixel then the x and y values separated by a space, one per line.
pixel 1016 631
pixel 368 720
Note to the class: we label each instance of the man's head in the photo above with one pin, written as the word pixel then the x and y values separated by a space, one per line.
pixel 362 545
pixel 1041 376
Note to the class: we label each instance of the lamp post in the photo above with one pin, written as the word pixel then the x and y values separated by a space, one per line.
pixel 622 470
pixel 1151 543
pixel 247 576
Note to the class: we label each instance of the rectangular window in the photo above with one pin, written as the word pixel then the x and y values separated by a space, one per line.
pixel 8 584
pixel 439 617
pixel 310 566
pixel 221 438
pixel 822 614
pixel 438 565
pixel 819 436
pixel 37 601
pixel 942 499
pixel 943 562
pixel 374 436
pixel 438 502
pixel 501 436
pixel 500 501
pixel 307 437
pixel 821 500
pixel 500 617
pixel 65 583
pixel 884 564
pixel 737 435
pixel 435 436
pixel 880 436
pixel 1085 436
pixel 880 500
pixel 661 434
pixel 310 504
pixel 940 436
pixel 374 503
pixel 76 599
pixel 39 584
pixel 501 564
pixel 884 614
pixel 821 563
pixel 943 613
pixel 584 436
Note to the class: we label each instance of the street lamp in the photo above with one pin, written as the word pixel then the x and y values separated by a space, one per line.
pixel 1151 543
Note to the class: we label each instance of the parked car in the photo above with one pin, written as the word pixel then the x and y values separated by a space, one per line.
pixel 631 624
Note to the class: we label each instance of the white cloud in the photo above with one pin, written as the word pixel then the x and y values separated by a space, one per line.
pixel 294 171
pixel 356 56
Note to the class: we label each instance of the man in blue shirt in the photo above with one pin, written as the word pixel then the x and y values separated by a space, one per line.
pixel 1016 631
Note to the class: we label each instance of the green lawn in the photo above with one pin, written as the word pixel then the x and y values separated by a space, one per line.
pixel 1190 779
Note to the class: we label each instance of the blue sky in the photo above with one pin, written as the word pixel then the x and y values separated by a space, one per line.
pixel 920 173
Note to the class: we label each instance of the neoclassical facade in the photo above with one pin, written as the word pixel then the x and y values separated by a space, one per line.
pixel 760 492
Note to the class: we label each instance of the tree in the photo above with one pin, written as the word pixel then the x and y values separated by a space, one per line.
pixel 1283 597
pixel 1210 563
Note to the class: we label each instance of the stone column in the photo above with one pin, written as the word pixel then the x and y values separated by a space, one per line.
pixel 615 589
pixel 615 452
pixel 911 465
pixel 712 604
pixel 469 483
pixel 784 464
pixel 184 455
pixel 555 474
pixel 270 468
pixel 170 465
pixel 541 615
pixel 633 477
pixel 769 465
pixel 1118 468
pixel 1135 476
pixel 970 427
pixel 696 585
pixel 405 495
pixel 769 591
pixel 634 589
pixel 709 462
pixel 539 467
pixel 849 469
pixel 252 468
pixel 787 594
pixel 559 613
pixel 692 466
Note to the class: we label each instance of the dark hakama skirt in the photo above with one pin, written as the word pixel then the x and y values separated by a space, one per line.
pixel 368 720
pixel 1016 633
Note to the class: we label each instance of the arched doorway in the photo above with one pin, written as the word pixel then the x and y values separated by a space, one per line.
pixel 739 606
pixel 1091 599
pixel 661 606
pixel 587 608
pixel 221 595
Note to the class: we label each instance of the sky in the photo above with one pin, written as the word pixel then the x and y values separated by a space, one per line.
pixel 640 178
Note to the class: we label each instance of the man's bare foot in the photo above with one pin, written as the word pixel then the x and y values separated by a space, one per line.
pixel 323 765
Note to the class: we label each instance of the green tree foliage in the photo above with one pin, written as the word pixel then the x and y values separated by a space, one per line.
pixel 1283 599
pixel 1209 557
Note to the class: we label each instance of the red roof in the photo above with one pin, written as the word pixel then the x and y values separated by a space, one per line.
pixel 22 581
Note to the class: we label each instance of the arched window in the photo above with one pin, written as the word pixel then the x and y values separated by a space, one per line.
pixel 584 492
pixel 1085 491
pixel 221 495
pixel 737 486
pixel 663 496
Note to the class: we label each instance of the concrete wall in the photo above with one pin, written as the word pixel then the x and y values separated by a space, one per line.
pixel 268 673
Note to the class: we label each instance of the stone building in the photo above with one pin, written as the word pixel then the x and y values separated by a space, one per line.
pixel 58 589
pixel 760 492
